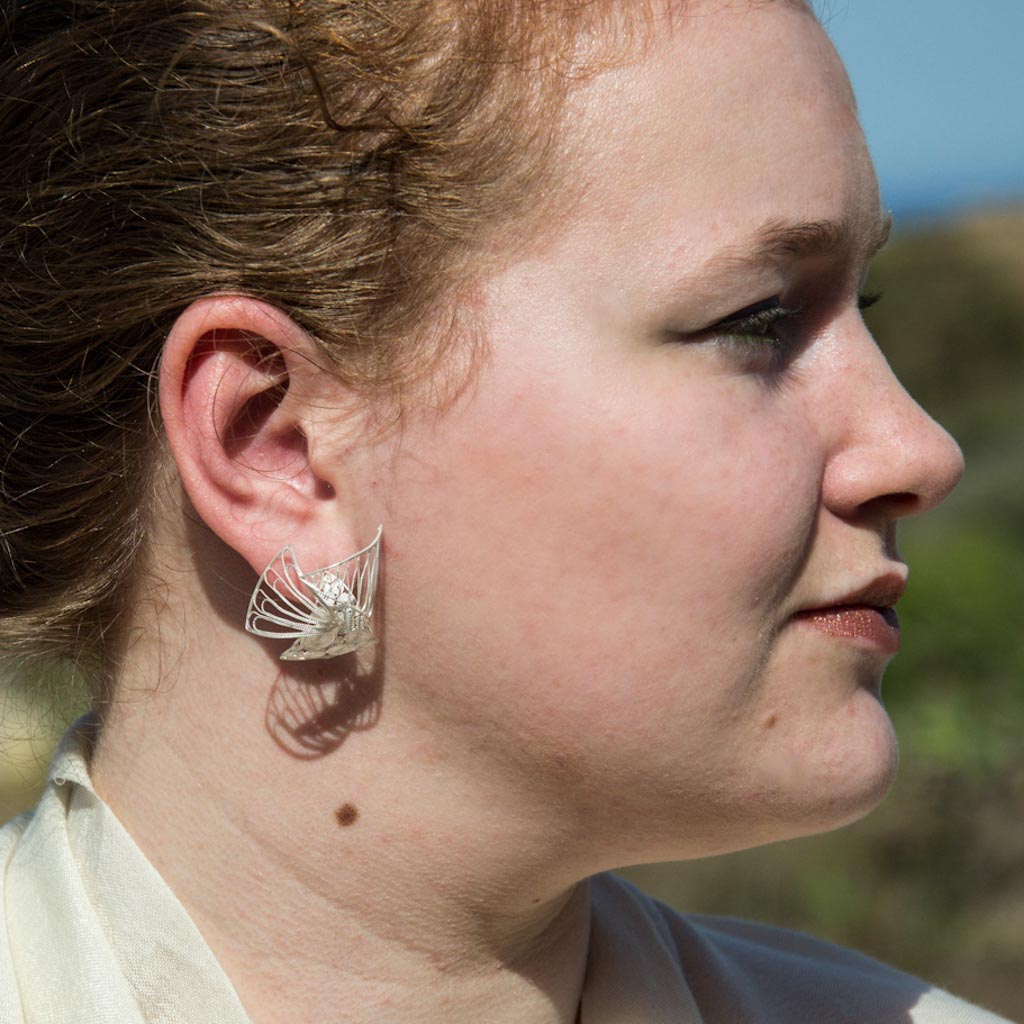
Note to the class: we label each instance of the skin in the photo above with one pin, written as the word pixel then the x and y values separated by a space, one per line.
pixel 592 561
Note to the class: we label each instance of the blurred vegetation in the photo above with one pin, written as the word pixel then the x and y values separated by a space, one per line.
pixel 934 880
pixel 35 707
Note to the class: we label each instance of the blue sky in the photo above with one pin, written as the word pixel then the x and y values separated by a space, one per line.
pixel 940 85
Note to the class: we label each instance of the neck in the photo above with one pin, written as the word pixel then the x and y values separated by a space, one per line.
pixel 348 872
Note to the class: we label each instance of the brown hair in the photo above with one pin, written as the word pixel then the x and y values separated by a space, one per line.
pixel 337 158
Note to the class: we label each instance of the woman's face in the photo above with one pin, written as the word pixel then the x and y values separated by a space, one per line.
pixel 597 558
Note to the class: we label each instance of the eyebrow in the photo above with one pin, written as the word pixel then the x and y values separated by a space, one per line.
pixel 779 240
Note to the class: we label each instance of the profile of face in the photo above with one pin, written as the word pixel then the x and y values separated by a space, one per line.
pixel 680 439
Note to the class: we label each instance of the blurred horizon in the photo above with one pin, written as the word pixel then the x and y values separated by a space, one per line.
pixel 940 89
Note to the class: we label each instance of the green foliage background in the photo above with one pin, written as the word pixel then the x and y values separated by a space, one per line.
pixel 934 880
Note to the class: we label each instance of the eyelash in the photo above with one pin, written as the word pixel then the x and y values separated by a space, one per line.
pixel 752 326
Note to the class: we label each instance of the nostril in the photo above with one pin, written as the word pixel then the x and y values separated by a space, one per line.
pixel 896 504
pixel 905 502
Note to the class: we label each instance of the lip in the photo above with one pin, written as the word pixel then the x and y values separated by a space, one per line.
pixel 864 616
pixel 864 625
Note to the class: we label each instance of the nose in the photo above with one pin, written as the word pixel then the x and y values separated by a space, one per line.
pixel 888 457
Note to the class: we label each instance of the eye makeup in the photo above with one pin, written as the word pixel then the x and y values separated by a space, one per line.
pixel 757 332
pixel 757 320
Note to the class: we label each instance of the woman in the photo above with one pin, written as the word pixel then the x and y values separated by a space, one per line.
pixel 564 299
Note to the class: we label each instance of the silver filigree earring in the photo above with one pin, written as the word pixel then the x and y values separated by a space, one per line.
pixel 326 612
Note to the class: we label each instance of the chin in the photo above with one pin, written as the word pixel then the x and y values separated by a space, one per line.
pixel 801 789
pixel 846 775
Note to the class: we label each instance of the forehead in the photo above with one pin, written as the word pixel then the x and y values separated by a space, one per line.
pixel 732 114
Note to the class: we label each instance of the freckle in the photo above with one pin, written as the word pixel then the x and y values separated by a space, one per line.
pixel 346 815
pixel 770 721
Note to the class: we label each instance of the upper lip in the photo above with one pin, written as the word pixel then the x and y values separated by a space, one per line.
pixel 881 592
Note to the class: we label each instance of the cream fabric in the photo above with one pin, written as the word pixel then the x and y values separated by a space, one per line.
pixel 90 934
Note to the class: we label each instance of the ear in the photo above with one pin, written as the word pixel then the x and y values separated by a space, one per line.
pixel 238 403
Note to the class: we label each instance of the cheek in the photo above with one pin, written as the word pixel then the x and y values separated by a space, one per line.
pixel 606 549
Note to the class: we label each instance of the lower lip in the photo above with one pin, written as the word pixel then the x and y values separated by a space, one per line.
pixel 877 628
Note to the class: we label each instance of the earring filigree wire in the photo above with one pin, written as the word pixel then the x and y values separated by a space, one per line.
pixel 326 612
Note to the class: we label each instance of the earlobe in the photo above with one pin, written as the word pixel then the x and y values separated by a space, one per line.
pixel 234 423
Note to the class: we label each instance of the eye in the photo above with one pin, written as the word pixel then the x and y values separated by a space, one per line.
pixel 760 322
pixel 767 335
pixel 760 336
pixel 755 322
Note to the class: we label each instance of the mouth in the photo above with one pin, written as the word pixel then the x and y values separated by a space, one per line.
pixel 865 625
pixel 865 617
